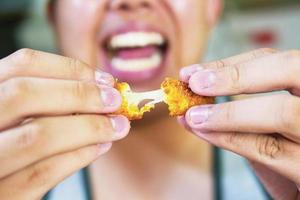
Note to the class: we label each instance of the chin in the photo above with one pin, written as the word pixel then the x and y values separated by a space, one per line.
pixel 137 53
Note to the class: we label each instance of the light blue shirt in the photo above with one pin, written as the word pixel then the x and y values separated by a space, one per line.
pixel 238 182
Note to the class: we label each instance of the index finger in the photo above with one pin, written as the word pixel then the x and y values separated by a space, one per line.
pixel 186 72
pixel 274 72
pixel 32 63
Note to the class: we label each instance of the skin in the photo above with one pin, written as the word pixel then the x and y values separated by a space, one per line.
pixel 172 152
pixel 95 21
pixel 263 129
pixel 44 140
pixel 32 120
pixel 39 135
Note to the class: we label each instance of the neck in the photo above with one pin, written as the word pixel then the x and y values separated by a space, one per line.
pixel 164 133
pixel 157 153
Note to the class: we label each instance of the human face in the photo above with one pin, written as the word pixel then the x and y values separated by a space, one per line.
pixel 138 41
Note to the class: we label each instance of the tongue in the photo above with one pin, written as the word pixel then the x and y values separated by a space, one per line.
pixel 135 53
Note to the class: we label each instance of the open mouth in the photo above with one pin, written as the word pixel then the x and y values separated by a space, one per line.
pixel 134 56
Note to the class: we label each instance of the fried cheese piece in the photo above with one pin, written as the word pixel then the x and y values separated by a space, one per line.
pixel 176 94
pixel 179 97
pixel 130 106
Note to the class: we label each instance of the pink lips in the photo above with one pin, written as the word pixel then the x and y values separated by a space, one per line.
pixel 133 53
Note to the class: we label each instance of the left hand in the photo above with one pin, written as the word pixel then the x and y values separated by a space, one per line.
pixel 265 129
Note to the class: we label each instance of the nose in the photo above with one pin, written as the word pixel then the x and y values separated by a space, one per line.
pixel 130 5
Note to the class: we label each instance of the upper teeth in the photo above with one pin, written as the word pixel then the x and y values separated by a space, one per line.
pixel 136 39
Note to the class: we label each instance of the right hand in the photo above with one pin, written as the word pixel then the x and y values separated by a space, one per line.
pixel 41 140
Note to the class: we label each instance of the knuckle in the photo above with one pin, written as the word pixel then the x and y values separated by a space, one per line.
pixel 293 59
pixel 289 114
pixel 80 92
pixel 269 147
pixel 20 86
pixel 232 141
pixel 29 136
pixel 220 63
pixel 229 110
pixel 83 155
pixel 96 124
pixel 39 174
pixel 24 57
pixel 231 138
pixel 235 76
pixel 15 90
pixel 76 66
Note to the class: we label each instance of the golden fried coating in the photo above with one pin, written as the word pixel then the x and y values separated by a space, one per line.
pixel 130 106
pixel 176 94
pixel 179 97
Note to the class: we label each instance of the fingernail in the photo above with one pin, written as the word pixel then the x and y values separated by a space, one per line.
pixel 111 99
pixel 199 115
pixel 103 78
pixel 186 72
pixel 103 148
pixel 120 124
pixel 203 79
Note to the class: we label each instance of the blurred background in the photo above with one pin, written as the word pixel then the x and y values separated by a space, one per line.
pixel 245 25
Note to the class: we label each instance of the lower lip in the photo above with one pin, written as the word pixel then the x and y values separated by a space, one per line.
pixel 135 76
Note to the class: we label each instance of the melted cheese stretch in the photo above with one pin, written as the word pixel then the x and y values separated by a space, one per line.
pixel 176 94
pixel 130 102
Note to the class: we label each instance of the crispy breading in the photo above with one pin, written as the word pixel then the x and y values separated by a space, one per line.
pixel 179 97
pixel 130 107
pixel 176 94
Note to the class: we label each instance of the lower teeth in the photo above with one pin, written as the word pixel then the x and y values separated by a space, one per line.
pixel 137 64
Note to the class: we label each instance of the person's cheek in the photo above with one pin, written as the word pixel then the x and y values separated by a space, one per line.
pixel 78 21
pixel 190 15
